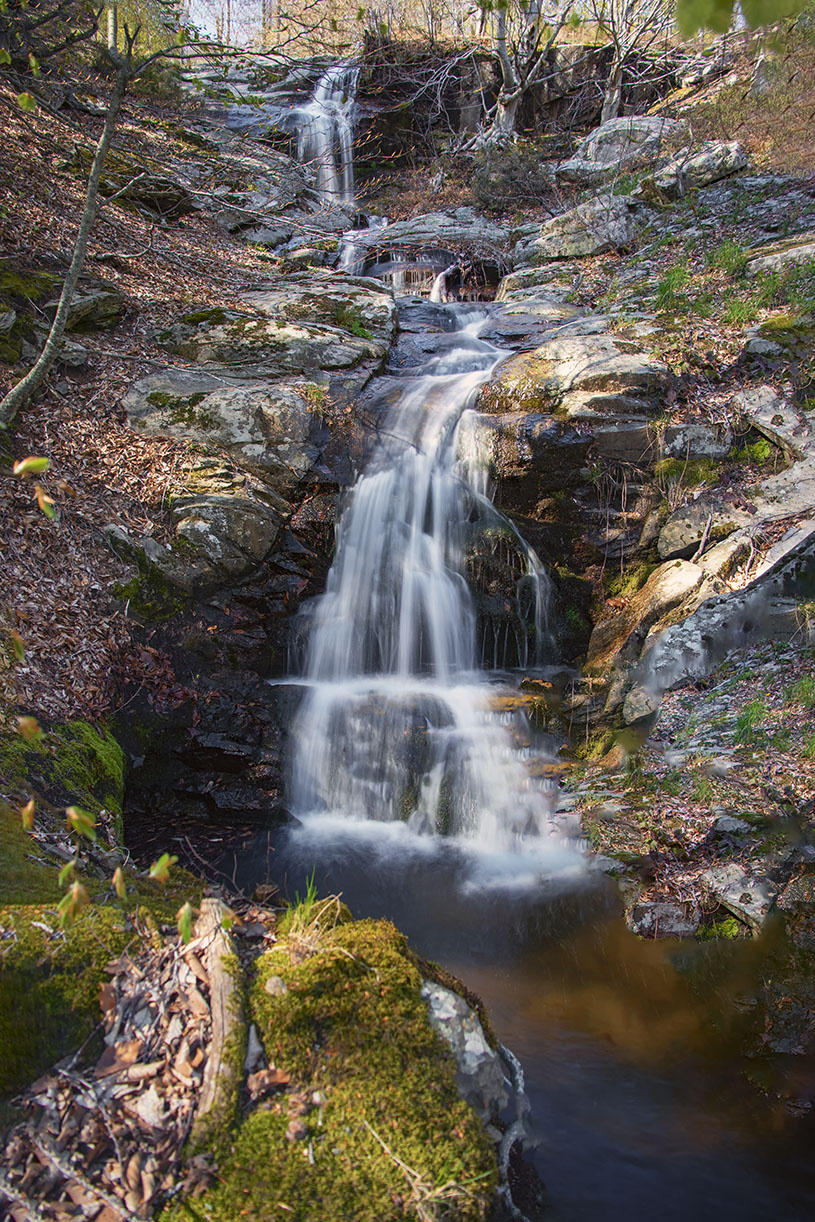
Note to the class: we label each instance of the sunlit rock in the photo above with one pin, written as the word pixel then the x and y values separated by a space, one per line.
pixel 622 635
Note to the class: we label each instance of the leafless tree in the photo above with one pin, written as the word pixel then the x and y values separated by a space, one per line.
pixel 631 26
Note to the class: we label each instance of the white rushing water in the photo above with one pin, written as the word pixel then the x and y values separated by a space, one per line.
pixel 325 132
pixel 398 722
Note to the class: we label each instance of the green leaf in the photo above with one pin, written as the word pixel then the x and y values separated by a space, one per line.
pixel 45 502
pixel 5 58
pixel 184 921
pixel 29 729
pixel 33 64
pixel 160 870
pixel 81 821
pixel 66 874
pixel 17 645
pixel 119 885
pixel 31 466
pixel 27 101
pixel 72 904
pixel 27 815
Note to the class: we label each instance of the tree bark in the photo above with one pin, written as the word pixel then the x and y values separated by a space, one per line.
pixel 613 95
pixel 24 389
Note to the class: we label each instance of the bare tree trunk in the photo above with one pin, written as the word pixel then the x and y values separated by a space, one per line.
pixel 613 95
pixel 503 124
pixel 113 25
pixel 24 389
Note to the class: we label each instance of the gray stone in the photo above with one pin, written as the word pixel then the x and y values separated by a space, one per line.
pixel 458 229
pixel 271 346
pixel 663 919
pixel 268 427
pixel 478 1067
pixel 234 534
pixel 618 145
pixel 92 309
pixel 581 374
pixel 776 256
pixel 689 170
pixel 729 825
pixel 696 440
pixel 356 303
pixel 682 534
pixel 622 634
pixel 748 894
pixel 601 224
pixel 773 416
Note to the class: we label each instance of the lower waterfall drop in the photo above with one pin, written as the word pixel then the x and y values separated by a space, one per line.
pixel 398 722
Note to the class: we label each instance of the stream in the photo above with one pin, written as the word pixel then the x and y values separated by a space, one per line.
pixel 422 794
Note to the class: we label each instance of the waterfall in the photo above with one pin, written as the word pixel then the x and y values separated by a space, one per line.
pixel 398 722
pixel 325 132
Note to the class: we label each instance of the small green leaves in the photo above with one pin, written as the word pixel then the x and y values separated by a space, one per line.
pixel 160 870
pixel 72 904
pixel 81 821
pixel 45 502
pixel 27 102
pixel 66 874
pixel 27 815
pixel 29 729
pixel 5 58
pixel 184 921
pixel 31 465
pixel 119 885
pixel 17 645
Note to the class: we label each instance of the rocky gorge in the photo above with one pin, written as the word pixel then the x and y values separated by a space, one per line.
pixel 658 471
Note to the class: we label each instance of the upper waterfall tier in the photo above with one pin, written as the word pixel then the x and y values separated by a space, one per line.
pixel 325 132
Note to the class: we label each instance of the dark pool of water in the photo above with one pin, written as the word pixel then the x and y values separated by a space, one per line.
pixel 630 1048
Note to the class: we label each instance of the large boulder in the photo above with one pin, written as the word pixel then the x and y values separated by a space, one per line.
pixel 361 305
pixel 778 256
pixel 269 428
pixel 621 636
pixel 618 145
pixel 688 170
pixel 270 346
pixel 581 375
pixel 459 229
pixel 592 228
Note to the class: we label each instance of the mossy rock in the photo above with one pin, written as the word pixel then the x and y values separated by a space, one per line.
pixel 74 764
pixel 352 1026
pixel 49 984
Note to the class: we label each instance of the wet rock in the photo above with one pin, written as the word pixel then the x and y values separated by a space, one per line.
pixel 663 919
pixel 623 633
pixel 689 170
pixel 592 228
pixel 618 145
pixel 748 894
pixel 797 903
pixel 479 1071
pixel 776 256
pixel 458 229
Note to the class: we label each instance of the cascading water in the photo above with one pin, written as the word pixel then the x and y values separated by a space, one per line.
pixel 325 132
pixel 398 723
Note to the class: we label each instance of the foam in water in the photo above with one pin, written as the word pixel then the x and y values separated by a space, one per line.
pixel 399 725
pixel 325 132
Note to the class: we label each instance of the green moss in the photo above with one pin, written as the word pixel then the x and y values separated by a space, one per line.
pixel 350 319
pixel 692 474
pixel 728 928
pixel 352 1026
pixel 74 764
pixel 629 581
pixel 151 597
pixel 215 316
